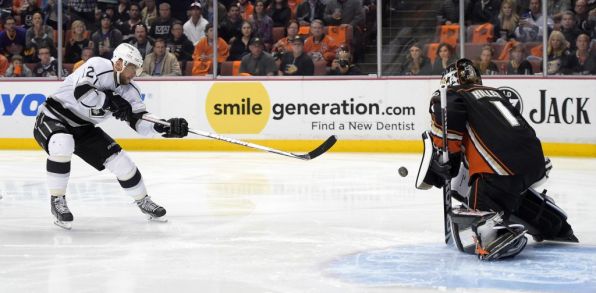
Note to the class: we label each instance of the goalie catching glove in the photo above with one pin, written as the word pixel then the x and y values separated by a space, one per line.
pixel 178 128
pixel 432 171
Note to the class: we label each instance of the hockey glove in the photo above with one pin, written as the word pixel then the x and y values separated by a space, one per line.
pixel 120 108
pixel 178 128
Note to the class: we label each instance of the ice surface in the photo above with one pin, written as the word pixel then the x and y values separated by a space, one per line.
pixel 257 222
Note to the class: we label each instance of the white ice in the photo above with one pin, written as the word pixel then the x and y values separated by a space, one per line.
pixel 257 222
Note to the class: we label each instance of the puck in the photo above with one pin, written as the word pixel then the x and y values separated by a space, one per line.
pixel 403 172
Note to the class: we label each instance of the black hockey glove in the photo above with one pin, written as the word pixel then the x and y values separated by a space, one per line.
pixel 120 108
pixel 178 128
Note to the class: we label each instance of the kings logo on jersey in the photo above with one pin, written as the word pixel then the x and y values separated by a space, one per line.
pixel 513 97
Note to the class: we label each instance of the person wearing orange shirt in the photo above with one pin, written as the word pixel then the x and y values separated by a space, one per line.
pixel 319 46
pixel 203 53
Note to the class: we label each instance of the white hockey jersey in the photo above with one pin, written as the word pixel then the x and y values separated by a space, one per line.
pixel 80 98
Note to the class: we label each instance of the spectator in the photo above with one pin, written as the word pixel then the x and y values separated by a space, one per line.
pixel 12 39
pixel 194 28
pixel 581 11
pixel 482 11
pixel 141 41
pixel 180 46
pixel 47 66
pixel 258 63
pixel 122 11
pixel 517 61
pixel 127 28
pixel 78 41
pixel 555 8
pixel 569 28
pixel 17 68
pixel 297 62
pixel 232 25
pixel 203 54
pixel 149 13
pixel 530 24
pixel 208 12
pixel 51 15
pixel 262 23
pixel 94 25
pixel 506 22
pixel 485 61
pixel 558 54
pixel 106 38
pixel 239 47
pixel 246 9
pixel 161 62
pixel 449 12
pixel 283 45
pixel 319 46
pixel 344 12
pixel 85 55
pixel 39 35
pixel 415 62
pixel 343 64
pixel 583 61
pixel 310 10
pixel 280 13
pixel 163 25
pixel 3 65
pixel 445 56
pixel 23 11
pixel 83 10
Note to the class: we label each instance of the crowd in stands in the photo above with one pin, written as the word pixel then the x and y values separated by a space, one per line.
pixel 289 37
pixel 505 37
pixel 254 37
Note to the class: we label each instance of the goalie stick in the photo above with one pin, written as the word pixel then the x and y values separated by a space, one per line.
pixel 445 154
pixel 321 149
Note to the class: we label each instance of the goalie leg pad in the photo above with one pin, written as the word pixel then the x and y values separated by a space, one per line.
pixel 544 219
pixel 486 234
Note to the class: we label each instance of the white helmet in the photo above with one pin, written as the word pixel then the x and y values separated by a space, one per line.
pixel 129 55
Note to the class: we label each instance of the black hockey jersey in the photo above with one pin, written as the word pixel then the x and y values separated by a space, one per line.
pixel 491 133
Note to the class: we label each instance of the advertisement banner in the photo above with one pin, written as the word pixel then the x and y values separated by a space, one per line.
pixel 560 110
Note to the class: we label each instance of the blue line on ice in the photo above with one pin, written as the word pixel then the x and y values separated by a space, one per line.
pixel 549 267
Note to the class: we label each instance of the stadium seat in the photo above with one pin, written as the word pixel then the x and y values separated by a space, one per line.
pixel 341 34
pixel 431 51
pixel 230 68
pixel 449 34
pixel 304 31
pixel 481 33
pixel 321 67
pixel 278 33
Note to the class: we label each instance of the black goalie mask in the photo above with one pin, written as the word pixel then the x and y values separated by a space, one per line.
pixel 462 72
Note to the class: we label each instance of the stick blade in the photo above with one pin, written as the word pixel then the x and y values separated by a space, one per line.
pixel 324 147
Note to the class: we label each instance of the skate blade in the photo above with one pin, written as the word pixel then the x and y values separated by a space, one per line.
pixel 63 225
pixel 157 220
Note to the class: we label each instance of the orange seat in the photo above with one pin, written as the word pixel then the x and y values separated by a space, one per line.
pixel 482 33
pixel 431 51
pixel 341 34
pixel 304 31
pixel 449 33
pixel 235 68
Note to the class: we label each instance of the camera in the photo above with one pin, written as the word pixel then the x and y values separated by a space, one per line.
pixel 278 55
pixel 343 63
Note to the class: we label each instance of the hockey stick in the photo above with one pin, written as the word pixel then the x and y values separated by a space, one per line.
pixel 445 154
pixel 321 149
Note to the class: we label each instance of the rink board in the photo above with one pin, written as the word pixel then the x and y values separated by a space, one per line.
pixel 376 115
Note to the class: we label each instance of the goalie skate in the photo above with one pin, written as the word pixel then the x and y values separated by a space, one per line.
pixel 507 245
pixel 60 210
pixel 153 211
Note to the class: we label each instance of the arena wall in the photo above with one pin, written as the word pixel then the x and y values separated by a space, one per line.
pixel 372 115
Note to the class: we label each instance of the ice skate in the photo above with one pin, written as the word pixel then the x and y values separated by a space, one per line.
pixel 151 209
pixel 61 212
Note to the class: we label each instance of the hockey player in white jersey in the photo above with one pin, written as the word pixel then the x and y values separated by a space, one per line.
pixel 65 125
